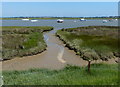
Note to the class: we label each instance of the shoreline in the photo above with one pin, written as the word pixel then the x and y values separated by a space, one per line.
pixel 53 18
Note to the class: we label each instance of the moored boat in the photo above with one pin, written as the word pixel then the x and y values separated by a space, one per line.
pixel 33 20
pixel 105 21
pixel 25 19
pixel 60 21
pixel 83 19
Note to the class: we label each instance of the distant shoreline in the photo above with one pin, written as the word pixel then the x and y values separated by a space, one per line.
pixel 56 18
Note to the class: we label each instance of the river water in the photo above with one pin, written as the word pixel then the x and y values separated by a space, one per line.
pixel 57 56
pixel 65 24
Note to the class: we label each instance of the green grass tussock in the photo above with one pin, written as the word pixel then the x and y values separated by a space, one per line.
pixel 101 74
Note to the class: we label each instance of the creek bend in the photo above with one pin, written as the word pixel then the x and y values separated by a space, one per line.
pixel 57 56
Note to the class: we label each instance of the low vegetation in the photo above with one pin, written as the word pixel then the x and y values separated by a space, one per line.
pixel 101 74
pixel 23 41
pixel 92 42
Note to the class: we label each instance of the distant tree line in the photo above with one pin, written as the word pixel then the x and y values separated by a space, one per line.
pixel 65 17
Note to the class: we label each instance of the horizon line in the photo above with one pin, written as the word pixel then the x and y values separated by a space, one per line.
pixel 60 16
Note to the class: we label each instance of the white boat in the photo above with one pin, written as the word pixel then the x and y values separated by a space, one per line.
pixel 25 19
pixel 60 21
pixel 34 20
pixel 82 19
pixel 105 21
pixel 116 19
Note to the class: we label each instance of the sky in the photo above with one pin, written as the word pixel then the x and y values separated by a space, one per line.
pixel 59 9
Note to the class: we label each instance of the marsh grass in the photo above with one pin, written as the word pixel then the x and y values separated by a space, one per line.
pixel 23 41
pixel 101 74
pixel 24 29
pixel 33 40
pixel 103 41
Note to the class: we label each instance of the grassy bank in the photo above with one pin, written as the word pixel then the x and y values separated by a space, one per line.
pixel 23 41
pixel 101 74
pixel 92 42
